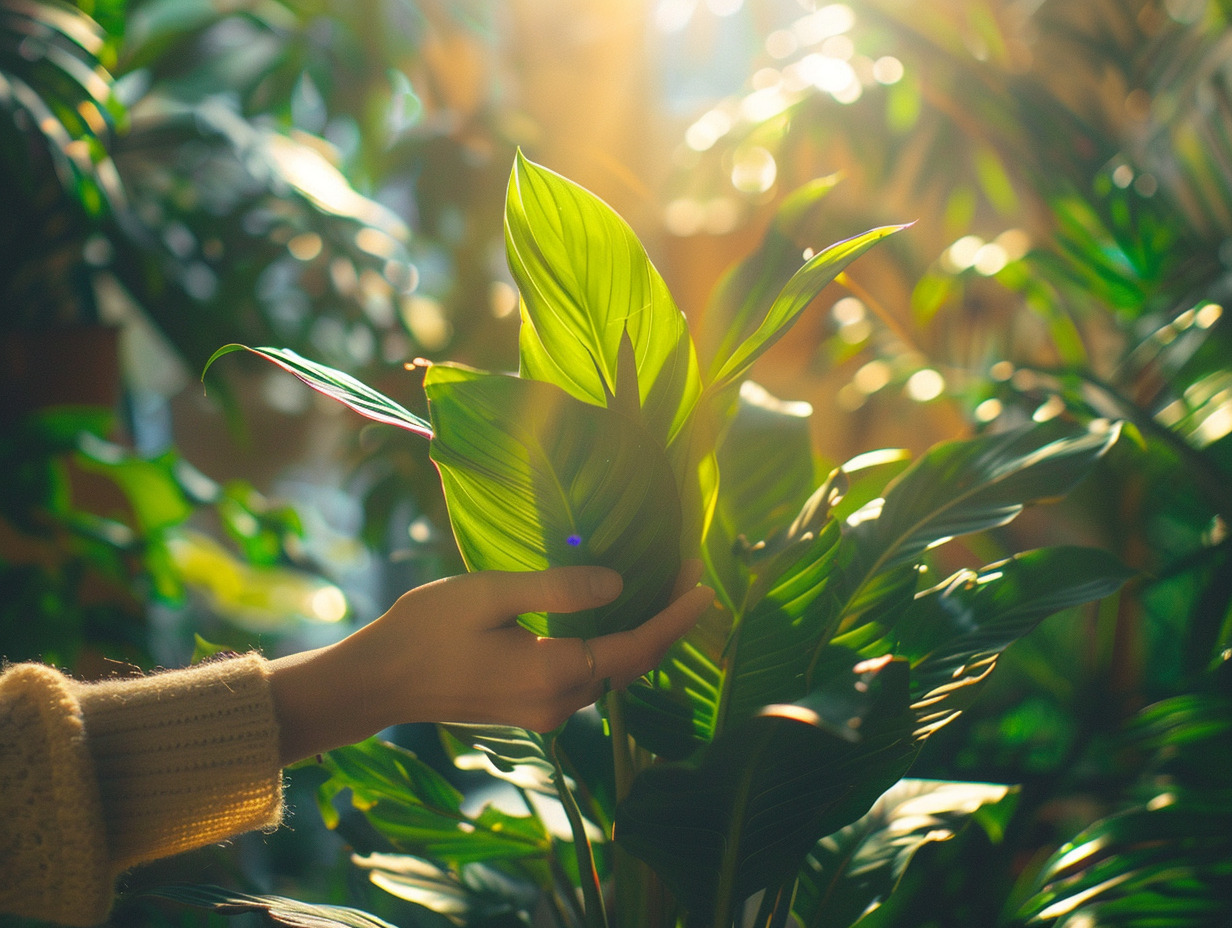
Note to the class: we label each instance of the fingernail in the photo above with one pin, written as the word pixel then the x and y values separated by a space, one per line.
pixel 605 584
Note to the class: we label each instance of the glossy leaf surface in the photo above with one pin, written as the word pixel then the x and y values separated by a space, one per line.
pixel 954 632
pixel 464 895
pixel 420 812
pixel 969 486
pixel 534 477
pixel 585 280
pixel 850 872
pixel 955 488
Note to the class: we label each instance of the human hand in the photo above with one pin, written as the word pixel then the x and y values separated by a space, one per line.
pixel 452 651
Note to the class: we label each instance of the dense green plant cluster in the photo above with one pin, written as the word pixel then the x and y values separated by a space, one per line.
pixel 174 152
pixel 831 654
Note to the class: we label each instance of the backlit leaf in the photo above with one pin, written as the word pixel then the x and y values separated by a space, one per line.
pixel 535 478
pixel 818 272
pixel 745 292
pixel 337 385
pixel 585 280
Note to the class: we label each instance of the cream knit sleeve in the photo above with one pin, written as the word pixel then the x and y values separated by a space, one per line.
pixel 95 778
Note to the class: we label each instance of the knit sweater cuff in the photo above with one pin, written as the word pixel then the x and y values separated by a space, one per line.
pixel 184 758
pixel 53 855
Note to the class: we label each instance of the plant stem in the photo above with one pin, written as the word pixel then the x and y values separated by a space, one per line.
pixel 629 871
pixel 622 756
pixel 564 890
pixel 561 887
pixel 592 893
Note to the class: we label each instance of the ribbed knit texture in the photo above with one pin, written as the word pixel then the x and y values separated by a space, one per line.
pixel 53 851
pixel 184 758
pixel 131 770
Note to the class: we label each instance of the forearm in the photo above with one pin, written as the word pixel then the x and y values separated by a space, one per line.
pixel 323 700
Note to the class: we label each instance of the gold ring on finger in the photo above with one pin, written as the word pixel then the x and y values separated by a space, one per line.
pixel 590 657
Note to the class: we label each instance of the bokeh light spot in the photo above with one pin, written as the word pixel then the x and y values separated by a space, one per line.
pixel 924 385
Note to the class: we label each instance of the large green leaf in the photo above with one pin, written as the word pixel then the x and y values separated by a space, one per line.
pixel 420 812
pixel 675 714
pixel 767 790
pixel 955 488
pixel 954 632
pixel 853 870
pixel 534 478
pixel 852 591
pixel 337 385
pixel 969 486
pixel 818 272
pixel 759 649
pixel 769 653
pixel 585 281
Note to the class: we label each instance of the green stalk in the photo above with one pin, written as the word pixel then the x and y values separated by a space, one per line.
pixel 561 887
pixel 622 756
pixel 724 903
pixel 592 893
pixel 629 871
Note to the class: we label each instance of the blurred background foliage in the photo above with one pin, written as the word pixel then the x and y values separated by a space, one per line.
pixel 328 176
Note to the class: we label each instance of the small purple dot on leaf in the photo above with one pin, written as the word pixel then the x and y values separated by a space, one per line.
pixel 574 540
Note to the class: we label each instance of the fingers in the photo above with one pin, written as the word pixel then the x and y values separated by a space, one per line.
pixel 690 575
pixel 624 656
pixel 495 597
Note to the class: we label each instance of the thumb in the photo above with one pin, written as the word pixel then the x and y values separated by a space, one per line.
pixel 503 594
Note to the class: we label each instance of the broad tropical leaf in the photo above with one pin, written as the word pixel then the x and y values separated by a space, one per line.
pixel 420 812
pixel 585 281
pixel 851 872
pixel 464 895
pixel 337 385
pixel 774 639
pixel 516 755
pixel 676 713
pixel 804 285
pixel 955 488
pixel 767 790
pixel 969 486
pixel 954 632
pixel 277 910
pixel 535 478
